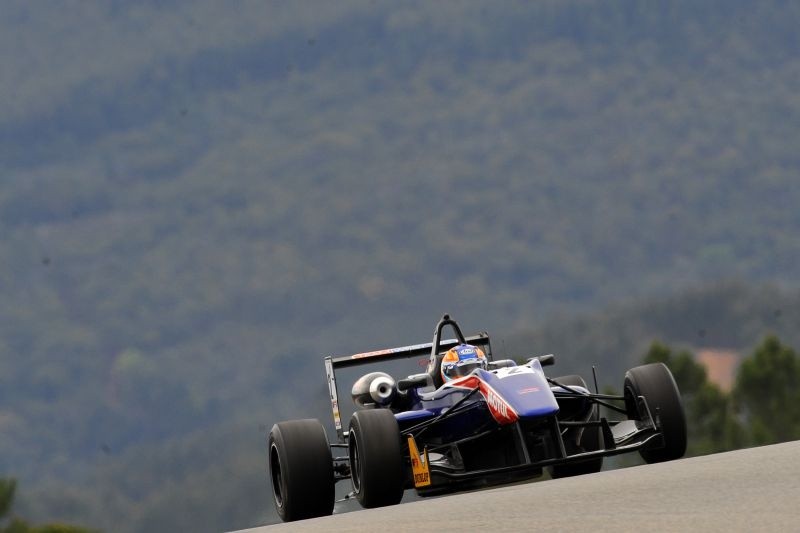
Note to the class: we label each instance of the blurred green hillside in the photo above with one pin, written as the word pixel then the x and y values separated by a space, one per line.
pixel 198 200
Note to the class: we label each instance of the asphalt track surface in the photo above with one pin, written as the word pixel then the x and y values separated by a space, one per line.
pixel 756 489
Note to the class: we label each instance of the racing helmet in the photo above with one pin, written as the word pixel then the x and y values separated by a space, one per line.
pixel 461 360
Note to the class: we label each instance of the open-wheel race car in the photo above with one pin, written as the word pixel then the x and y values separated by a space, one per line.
pixel 466 421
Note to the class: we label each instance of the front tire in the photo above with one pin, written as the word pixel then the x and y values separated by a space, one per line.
pixel 301 470
pixel 589 440
pixel 655 383
pixel 376 460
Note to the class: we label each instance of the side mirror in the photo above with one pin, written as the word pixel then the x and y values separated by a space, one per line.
pixel 417 380
pixel 502 363
pixel 545 360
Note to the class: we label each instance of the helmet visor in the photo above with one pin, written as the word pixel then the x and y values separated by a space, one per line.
pixel 463 368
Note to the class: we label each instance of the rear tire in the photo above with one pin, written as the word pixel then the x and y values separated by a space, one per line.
pixel 376 458
pixel 301 470
pixel 655 383
pixel 589 441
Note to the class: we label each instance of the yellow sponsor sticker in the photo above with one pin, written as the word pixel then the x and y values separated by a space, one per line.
pixel 419 464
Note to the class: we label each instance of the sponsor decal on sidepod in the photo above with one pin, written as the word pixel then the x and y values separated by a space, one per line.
pixel 501 411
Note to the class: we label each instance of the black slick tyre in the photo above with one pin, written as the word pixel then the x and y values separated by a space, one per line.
pixel 589 441
pixel 655 383
pixel 376 460
pixel 301 470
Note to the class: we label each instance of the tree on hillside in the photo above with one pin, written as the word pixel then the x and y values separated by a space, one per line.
pixel 712 424
pixel 7 489
pixel 13 524
pixel 767 393
pixel 689 375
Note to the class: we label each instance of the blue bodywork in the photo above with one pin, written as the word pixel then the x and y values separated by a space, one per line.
pixel 523 390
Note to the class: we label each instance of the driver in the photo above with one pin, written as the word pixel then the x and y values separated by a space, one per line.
pixel 461 360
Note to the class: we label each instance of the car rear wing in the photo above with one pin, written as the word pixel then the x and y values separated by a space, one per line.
pixel 406 352
pixel 332 363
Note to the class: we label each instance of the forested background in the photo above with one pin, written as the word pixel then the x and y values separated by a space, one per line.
pixel 199 200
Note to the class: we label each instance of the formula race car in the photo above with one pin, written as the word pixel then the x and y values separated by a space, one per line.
pixel 466 421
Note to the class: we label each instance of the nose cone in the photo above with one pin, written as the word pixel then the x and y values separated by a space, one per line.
pixel 524 389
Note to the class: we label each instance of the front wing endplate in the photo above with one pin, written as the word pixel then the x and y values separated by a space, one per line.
pixel 419 464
